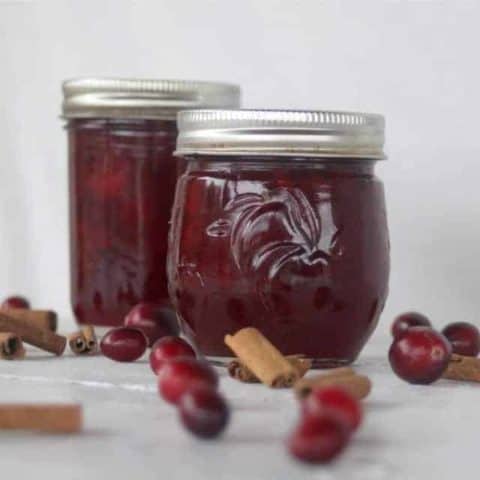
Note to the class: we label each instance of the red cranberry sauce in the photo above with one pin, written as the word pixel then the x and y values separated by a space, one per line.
pixel 297 248
pixel 122 181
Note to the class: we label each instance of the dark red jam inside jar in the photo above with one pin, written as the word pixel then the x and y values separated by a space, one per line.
pixel 293 244
pixel 121 136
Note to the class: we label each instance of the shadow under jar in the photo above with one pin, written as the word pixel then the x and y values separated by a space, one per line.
pixel 279 223
pixel 121 136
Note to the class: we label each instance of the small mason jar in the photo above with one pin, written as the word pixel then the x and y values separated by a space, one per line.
pixel 121 136
pixel 279 223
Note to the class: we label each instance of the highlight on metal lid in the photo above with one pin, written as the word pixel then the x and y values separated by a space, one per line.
pixel 281 132
pixel 137 98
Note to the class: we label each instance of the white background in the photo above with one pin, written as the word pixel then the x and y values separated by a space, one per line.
pixel 415 61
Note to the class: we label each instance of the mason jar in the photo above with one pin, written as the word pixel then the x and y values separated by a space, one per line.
pixel 279 223
pixel 121 138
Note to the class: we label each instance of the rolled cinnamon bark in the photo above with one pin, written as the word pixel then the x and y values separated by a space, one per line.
pixel 83 342
pixel 77 343
pixel 241 372
pixel 358 386
pixel 41 338
pixel 463 368
pixel 11 346
pixel 45 319
pixel 60 418
pixel 262 358
pixel 90 337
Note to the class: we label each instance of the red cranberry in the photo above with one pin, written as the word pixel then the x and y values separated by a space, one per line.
pixel 204 411
pixel 464 338
pixel 335 400
pixel 168 348
pixel 180 374
pixel 124 344
pixel 318 438
pixel 16 302
pixel 407 320
pixel 420 355
pixel 155 320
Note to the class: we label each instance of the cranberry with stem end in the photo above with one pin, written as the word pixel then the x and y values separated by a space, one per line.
pixel 420 355
pixel 168 348
pixel 155 320
pixel 204 411
pixel 180 374
pixel 124 344
pixel 464 338
pixel 407 320
pixel 16 302
pixel 334 400
pixel 318 438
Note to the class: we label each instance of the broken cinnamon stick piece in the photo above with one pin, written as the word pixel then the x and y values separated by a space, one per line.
pixel 262 358
pixel 83 342
pixel 45 319
pixel 358 386
pixel 60 418
pixel 463 368
pixel 241 372
pixel 41 338
pixel 90 337
pixel 77 343
pixel 11 346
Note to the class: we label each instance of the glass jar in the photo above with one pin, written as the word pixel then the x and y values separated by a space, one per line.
pixel 121 136
pixel 279 223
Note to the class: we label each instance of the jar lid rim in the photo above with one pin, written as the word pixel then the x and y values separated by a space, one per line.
pixel 89 97
pixel 316 133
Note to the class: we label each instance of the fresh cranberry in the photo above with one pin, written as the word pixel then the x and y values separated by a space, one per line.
pixel 318 438
pixel 464 338
pixel 180 374
pixel 168 348
pixel 155 320
pixel 407 320
pixel 124 344
pixel 204 411
pixel 420 355
pixel 16 302
pixel 335 400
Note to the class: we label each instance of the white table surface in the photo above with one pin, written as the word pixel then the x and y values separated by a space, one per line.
pixel 410 432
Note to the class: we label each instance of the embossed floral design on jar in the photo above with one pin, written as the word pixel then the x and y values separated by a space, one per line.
pixel 304 241
pixel 296 246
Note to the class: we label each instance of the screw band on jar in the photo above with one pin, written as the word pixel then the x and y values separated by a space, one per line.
pixel 281 133
pixel 145 99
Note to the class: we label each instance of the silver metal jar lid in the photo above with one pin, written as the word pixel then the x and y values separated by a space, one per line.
pixel 281 132
pixel 156 99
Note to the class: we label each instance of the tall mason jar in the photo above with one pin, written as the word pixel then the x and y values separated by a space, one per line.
pixel 122 175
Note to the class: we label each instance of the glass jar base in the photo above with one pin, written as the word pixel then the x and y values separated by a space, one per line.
pixel 317 363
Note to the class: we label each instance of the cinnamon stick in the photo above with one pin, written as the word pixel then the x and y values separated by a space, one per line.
pixel 41 338
pixel 90 337
pixel 83 342
pixel 463 368
pixel 241 372
pixel 262 358
pixel 45 319
pixel 358 386
pixel 11 346
pixel 59 418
